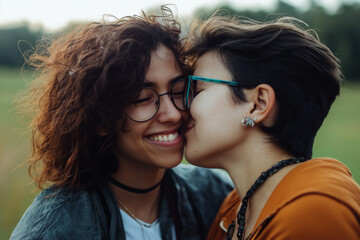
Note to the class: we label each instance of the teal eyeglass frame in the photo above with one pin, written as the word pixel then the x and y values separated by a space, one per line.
pixel 190 78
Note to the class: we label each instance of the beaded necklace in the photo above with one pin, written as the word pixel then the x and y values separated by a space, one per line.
pixel 260 180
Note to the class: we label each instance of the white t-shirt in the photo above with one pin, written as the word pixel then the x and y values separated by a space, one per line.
pixel 134 231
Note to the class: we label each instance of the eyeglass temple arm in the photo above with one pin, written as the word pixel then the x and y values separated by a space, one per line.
pixel 214 80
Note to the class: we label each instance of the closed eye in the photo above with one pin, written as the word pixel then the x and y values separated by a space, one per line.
pixel 177 93
pixel 142 100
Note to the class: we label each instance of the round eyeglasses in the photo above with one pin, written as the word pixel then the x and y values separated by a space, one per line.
pixel 147 103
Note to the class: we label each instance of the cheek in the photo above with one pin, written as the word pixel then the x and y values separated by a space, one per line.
pixel 130 132
pixel 217 130
pixel 208 117
pixel 206 108
pixel 125 125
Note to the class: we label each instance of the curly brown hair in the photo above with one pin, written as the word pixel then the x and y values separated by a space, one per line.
pixel 86 79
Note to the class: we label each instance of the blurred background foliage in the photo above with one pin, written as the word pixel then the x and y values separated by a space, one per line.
pixel 338 30
pixel 339 136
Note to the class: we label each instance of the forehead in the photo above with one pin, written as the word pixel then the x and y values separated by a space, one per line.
pixel 163 67
pixel 210 65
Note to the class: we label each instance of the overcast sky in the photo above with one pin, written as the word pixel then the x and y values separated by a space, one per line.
pixel 54 14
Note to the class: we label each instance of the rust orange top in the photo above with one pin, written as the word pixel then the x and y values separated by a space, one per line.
pixel 316 200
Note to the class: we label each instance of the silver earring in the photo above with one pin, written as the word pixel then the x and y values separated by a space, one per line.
pixel 248 121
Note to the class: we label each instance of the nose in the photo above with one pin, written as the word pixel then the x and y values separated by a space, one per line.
pixel 167 110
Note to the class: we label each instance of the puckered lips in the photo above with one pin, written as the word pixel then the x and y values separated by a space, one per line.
pixel 170 137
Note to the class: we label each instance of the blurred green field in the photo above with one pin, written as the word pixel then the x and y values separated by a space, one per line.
pixel 15 192
pixel 338 138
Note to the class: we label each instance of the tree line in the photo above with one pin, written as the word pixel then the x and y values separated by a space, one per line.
pixel 339 30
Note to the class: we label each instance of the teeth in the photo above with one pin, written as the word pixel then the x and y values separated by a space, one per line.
pixel 165 138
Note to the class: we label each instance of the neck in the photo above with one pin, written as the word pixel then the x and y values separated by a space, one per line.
pixel 143 206
pixel 245 171
pixel 247 160
pixel 245 164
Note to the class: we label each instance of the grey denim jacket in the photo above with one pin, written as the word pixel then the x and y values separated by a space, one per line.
pixel 61 214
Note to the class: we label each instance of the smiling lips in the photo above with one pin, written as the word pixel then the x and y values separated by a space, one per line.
pixel 164 137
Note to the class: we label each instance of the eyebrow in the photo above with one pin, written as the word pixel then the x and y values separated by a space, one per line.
pixel 172 80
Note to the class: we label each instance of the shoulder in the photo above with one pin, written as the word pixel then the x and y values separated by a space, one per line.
pixel 225 216
pixel 229 207
pixel 197 177
pixel 55 213
pixel 200 192
pixel 323 176
pixel 320 196
pixel 314 216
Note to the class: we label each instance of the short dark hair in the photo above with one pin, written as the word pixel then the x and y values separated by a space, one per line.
pixel 303 72
pixel 87 78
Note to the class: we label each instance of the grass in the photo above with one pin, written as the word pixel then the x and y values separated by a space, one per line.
pixel 15 192
pixel 338 138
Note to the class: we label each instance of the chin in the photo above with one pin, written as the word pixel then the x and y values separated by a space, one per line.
pixel 201 160
pixel 171 161
pixel 193 159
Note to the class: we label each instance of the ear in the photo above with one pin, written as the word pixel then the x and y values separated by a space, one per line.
pixel 102 132
pixel 262 98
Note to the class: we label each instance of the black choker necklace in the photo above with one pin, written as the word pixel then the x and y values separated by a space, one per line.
pixel 244 203
pixel 130 189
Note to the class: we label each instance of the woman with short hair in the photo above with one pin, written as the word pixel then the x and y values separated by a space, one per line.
pixel 258 95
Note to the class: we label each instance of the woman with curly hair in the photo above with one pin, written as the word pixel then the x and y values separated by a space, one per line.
pixel 108 129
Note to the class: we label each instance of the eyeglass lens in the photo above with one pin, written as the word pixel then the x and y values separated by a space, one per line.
pixel 177 93
pixel 148 102
pixel 145 107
